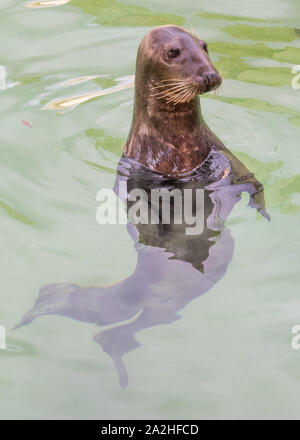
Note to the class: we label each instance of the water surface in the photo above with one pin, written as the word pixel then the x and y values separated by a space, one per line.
pixel 229 356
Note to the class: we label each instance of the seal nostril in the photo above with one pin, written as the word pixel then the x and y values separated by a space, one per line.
pixel 212 76
pixel 212 79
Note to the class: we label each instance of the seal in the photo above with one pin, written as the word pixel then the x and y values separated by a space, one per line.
pixel 170 149
pixel 168 133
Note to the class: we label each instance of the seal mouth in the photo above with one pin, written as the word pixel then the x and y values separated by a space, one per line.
pixel 180 90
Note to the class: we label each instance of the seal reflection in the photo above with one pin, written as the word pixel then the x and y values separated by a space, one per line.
pixel 173 268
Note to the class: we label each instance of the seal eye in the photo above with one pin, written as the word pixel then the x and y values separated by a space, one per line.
pixel 173 53
pixel 205 46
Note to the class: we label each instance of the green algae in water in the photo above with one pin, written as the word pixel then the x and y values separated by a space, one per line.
pixel 258 50
pixel 261 33
pixel 260 105
pixel 240 70
pixel 115 13
pixel 278 194
pixel 11 212
pixel 213 16
pixel 107 142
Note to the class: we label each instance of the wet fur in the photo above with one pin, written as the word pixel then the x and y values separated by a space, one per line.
pixel 168 133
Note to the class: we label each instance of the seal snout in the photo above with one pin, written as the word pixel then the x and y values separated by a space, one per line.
pixel 212 80
pixel 208 81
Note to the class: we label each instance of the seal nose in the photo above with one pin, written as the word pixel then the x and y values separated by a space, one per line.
pixel 213 79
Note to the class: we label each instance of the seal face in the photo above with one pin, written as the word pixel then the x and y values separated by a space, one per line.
pixel 168 133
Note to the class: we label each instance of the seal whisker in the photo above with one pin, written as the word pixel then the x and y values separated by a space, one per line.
pixel 166 93
pixel 175 89
pixel 182 98
pixel 168 84
pixel 174 95
pixel 178 97
pixel 185 96
pixel 174 79
pixel 216 91
pixel 170 91
pixel 168 96
pixel 192 91
pixel 178 91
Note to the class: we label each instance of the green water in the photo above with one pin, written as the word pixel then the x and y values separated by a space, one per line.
pixel 230 355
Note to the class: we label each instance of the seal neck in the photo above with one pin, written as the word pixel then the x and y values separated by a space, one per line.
pixel 167 138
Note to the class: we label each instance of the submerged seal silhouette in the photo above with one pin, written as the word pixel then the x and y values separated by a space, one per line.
pixel 168 133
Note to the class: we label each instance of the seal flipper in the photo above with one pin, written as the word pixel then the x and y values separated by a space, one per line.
pixel 118 341
pixel 99 305
pixel 46 303
pixel 242 176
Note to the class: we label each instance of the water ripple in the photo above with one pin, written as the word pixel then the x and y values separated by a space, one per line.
pixel 74 101
pixel 46 3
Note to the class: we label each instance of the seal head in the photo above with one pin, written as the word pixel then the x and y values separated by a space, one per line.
pixel 168 133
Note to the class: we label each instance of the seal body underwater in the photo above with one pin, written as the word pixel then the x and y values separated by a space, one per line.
pixel 169 147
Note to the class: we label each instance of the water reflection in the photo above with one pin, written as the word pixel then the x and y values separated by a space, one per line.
pixel 46 3
pixel 173 268
pixel 63 103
